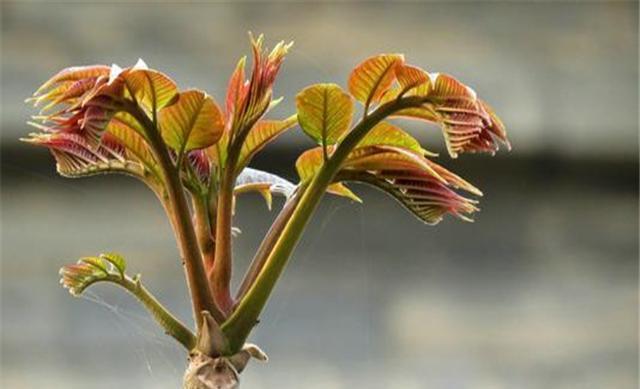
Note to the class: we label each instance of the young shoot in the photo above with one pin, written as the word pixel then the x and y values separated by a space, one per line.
pixel 194 154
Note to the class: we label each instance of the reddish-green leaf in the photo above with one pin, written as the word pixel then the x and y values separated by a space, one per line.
pixel 260 135
pixel 89 270
pixel 218 152
pixel 422 186
pixel 420 193
pixel 194 121
pixel 128 132
pixel 76 157
pixel 151 89
pixel 67 77
pixel 248 100
pixel 236 89
pixel 308 165
pixel 410 77
pixel 382 157
pixel 468 124
pixel 309 162
pixel 340 189
pixel 371 79
pixel 386 134
pixel 324 112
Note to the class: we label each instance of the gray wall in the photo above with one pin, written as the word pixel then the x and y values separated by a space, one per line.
pixel 563 75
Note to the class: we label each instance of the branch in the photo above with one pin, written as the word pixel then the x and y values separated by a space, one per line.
pixel 202 223
pixel 180 216
pixel 171 325
pixel 220 275
pixel 267 243
pixel 110 268
pixel 243 319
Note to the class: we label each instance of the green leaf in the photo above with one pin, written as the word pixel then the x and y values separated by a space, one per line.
pixel 89 270
pixel 217 153
pixel 385 133
pixel 194 121
pixel 324 112
pixel 117 261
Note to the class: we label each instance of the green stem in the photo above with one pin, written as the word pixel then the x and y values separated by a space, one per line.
pixel 244 318
pixel 267 244
pixel 171 325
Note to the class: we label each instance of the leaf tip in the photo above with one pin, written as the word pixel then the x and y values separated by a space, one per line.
pixel 140 64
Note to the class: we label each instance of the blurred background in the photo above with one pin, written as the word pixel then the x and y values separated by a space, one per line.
pixel 540 292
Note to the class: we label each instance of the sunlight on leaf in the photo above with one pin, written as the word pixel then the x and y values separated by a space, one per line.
pixel 248 100
pixel 466 123
pixel 410 77
pixel 371 79
pixel 126 130
pixel 309 163
pixel 70 83
pixel 75 157
pixel 117 261
pixel 151 89
pixel 324 112
pixel 194 121
pixel 385 133
pixel 419 184
pixel 264 132
pixel 341 189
